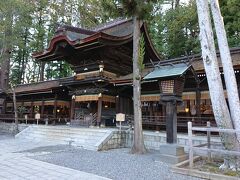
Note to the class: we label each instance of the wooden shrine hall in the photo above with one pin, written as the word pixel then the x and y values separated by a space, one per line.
pixel 101 86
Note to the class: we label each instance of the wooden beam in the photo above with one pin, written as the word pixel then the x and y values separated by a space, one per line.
pixel 118 69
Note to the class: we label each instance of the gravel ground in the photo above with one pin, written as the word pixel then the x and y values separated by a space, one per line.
pixel 4 135
pixel 116 164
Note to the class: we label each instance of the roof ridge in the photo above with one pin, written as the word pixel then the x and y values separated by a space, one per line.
pixel 74 29
pixel 110 24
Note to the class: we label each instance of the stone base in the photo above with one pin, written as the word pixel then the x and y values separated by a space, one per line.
pixel 171 153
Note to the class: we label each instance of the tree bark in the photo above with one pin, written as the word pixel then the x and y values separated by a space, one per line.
pixel 229 75
pixel 138 142
pixel 220 109
pixel 42 64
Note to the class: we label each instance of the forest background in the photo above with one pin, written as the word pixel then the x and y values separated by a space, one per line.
pixel 27 26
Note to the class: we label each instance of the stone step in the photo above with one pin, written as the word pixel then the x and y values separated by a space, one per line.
pixel 86 138
pixel 63 140
pixel 72 129
pixel 69 132
pixel 66 132
pixel 57 134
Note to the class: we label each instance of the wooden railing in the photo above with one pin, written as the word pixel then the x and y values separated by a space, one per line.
pixel 47 119
pixel 181 121
pixel 208 148
pixel 146 120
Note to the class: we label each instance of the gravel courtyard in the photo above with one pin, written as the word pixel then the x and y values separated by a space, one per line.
pixel 115 164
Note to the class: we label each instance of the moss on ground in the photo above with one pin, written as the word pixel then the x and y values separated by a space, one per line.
pixel 213 167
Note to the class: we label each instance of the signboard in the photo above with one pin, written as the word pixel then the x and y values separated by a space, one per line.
pixel 120 117
pixel 37 116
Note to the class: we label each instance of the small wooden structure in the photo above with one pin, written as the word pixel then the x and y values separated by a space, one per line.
pixel 171 80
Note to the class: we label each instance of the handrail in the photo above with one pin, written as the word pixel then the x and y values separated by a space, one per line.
pixel 181 121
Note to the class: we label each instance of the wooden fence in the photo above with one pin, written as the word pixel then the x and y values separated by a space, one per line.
pixel 9 118
pixel 209 150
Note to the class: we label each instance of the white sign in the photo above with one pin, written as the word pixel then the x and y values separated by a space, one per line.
pixel 120 117
pixel 37 116
pixel 193 111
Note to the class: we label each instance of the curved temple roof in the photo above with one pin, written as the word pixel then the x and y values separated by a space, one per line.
pixel 116 33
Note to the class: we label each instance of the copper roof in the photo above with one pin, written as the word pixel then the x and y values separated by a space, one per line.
pixel 37 86
pixel 117 32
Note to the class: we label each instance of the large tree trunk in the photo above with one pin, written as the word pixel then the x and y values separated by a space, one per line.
pixel 7 48
pixel 42 64
pixel 220 109
pixel 229 75
pixel 138 142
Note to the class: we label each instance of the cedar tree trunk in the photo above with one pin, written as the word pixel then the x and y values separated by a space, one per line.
pixel 220 109
pixel 138 142
pixel 229 75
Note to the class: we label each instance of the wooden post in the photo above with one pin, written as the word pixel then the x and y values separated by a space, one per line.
pixel 15 110
pixel 209 141
pixel 171 122
pixel 72 108
pixel 198 101
pixel 117 104
pixel 42 107
pixel 21 114
pixel 55 107
pixel 190 146
pixel 4 106
pixel 99 112
pixel 31 110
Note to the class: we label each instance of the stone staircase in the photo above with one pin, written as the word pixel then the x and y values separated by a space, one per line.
pixel 87 138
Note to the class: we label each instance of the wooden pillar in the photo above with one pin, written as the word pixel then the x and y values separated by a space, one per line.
pixel 72 108
pixel 21 114
pixel 121 105
pixel 171 122
pixel 150 109
pixel 42 108
pixel 55 107
pixel 128 106
pixel 117 104
pixel 198 101
pixel 31 109
pixel 99 111
pixel 4 106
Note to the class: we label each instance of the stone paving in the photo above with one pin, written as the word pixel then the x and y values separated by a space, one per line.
pixel 15 165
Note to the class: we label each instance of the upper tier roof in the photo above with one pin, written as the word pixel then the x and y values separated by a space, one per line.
pixel 116 32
